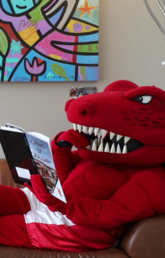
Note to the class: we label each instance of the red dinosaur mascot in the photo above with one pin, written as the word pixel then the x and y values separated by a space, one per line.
pixel 116 175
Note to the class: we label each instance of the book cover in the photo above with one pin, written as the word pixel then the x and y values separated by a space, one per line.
pixel 30 153
pixel 17 154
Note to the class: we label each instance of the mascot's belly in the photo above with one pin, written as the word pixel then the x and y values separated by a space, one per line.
pixel 94 180
pixel 101 181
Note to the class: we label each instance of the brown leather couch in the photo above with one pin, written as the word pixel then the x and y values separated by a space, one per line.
pixel 145 239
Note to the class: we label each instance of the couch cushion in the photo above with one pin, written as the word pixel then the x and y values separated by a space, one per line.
pixel 14 252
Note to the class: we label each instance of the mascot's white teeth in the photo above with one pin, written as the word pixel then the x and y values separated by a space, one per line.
pixel 98 144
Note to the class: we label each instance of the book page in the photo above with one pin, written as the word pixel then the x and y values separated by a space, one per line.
pixel 41 137
pixel 58 193
pixel 10 129
pixel 14 127
pixel 23 173
pixel 44 162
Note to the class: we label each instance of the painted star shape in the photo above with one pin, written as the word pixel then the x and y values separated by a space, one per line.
pixel 16 47
pixel 86 8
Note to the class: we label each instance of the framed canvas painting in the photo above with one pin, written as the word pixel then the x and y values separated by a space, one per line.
pixel 49 40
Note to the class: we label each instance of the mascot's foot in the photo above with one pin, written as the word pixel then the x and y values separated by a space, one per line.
pixel 13 201
pixel 13 231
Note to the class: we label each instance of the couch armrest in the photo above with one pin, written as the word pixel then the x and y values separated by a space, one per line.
pixel 5 175
pixel 146 239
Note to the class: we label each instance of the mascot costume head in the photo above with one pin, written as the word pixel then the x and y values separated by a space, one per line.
pixel 125 124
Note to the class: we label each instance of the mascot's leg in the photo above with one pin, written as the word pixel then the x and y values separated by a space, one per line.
pixel 13 231
pixel 13 201
pixel 13 204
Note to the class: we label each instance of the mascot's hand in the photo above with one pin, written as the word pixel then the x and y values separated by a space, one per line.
pixel 71 137
pixel 42 194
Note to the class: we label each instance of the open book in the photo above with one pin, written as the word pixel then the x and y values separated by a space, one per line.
pixel 30 153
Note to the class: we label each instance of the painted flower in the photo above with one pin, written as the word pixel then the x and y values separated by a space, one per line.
pixel 36 68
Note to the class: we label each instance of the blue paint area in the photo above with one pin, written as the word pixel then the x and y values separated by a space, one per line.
pixel 21 6
pixel 91 74
pixel 6 6
pixel 1 60
pixel 89 38
pixel 82 59
pixel 54 19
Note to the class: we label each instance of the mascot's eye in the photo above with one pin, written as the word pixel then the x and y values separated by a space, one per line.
pixel 144 99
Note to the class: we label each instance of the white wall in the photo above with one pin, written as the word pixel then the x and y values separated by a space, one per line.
pixel 131 47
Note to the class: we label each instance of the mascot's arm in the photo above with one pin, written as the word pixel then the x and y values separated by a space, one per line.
pixel 65 159
pixel 141 197
pixel 41 192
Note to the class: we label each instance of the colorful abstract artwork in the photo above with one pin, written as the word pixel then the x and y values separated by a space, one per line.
pixel 49 40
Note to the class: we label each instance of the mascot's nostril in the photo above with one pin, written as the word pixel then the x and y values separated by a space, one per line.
pixel 84 112
pixel 87 109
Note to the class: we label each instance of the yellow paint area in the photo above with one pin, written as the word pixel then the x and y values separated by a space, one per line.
pixel 29 37
pixel 56 57
pixel 85 27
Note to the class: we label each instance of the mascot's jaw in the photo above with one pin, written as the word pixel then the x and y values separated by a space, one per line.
pixel 109 142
